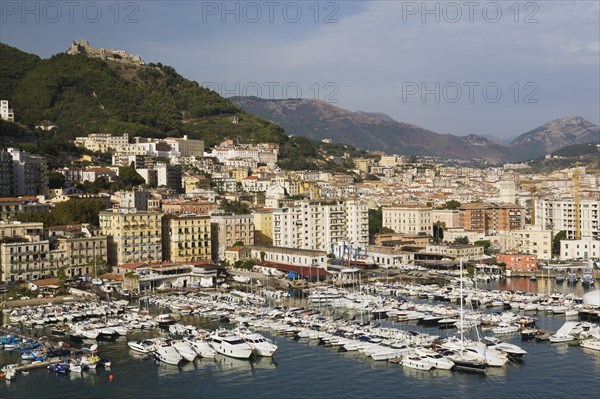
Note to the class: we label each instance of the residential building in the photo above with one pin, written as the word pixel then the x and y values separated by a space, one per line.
pixel 186 238
pixel 408 219
pixel 24 260
pixel 17 229
pixel 448 217
pixel 491 218
pixel 30 173
pixel 187 147
pixel 197 206
pixel 136 199
pixel 386 257
pixel 6 174
pixel 580 249
pixel 229 230
pixel 102 142
pixel 319 225
pixel 169 176
pixel 559 214
pixel 132 236
pixel 11 206
pixel 78 255
pixel 263 226
pixel 515 260
pixel 6 113
pixel 531 240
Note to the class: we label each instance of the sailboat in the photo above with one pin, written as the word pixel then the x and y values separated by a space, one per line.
pixel 463 359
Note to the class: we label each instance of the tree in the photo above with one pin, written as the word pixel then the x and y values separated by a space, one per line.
pixel 129 177
pixel 452 205
pixel 375 220
pixel 461 240
pixel 438 231
pixel 386 230
pixel 483 243
pixel 234 207
pixel 56 180
pixel 561 235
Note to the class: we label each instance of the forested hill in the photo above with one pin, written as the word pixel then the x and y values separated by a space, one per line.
pixel 83 94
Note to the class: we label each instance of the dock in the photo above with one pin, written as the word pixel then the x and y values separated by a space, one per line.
pixel 38 365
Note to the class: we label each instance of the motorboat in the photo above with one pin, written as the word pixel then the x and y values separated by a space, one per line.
pixel 60 368
pixel 590 343
pixel 260 345
pixel 185 350
pixel 201 346
pixel 415 362
pixel 434 359
pixel 230 344
pixel 144 346
pixel 166 353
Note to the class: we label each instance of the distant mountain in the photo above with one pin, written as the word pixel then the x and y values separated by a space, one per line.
pixel 372 131
pixel 555 135
pixel 377 131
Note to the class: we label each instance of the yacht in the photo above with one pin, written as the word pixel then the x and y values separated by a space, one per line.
pixel 261 346
pixel 560 277
pixel 185 350
pixel 591 343
pixel 572 278
pixel 145 346
pixel 230 344
pixel 434 359
pixel 201 347
pixel 167 353
pixel 415 362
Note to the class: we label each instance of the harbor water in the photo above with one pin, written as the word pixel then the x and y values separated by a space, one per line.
pixel 305 369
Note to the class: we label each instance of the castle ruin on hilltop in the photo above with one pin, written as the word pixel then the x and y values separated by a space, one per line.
pixel 83 47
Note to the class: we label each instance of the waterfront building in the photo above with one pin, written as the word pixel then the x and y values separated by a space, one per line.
pixel 132 236
pixel 408 219
pixel 186 238
pixel 227 230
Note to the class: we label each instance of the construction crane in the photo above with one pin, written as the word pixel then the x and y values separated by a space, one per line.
pixel 532 204
pixel 577 201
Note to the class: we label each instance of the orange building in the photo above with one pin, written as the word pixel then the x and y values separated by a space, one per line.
pixel 490 218
pixel 518 261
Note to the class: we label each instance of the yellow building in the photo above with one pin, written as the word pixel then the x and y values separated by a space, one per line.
pixel 77 255
pixel 132 236
pixel 186 238
pixel 263 226
pixel 362 164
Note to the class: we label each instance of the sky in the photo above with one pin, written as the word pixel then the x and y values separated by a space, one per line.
pixel 497 68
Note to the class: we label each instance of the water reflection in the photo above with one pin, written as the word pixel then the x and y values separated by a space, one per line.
pixel 229 363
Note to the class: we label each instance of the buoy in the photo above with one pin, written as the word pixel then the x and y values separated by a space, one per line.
pixel 110 377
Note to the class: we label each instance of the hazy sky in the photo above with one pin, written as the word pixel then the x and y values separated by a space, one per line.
pixel 499 68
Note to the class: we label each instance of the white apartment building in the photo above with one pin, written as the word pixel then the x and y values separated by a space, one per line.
pixel 5 112
pixel 580 249
pixel 317 225
pixel 408 219
pixel 559 214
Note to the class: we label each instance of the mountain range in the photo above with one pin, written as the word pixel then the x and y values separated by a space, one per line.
pixel 377 131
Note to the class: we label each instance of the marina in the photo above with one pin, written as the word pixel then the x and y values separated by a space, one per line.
pixel 369 334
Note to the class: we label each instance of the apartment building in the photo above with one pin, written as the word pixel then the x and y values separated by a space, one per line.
pixel 408 219
pixel 559 214
pixel 515 260
pixel 228 230
pixel 318 225
pixel 491 218
pixel 263 226
pixel 580 249
pixel 186 238
pixel 132 236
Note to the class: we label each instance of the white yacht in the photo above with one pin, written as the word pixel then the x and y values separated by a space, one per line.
pixel 145 346
pixel 434 359
pixel 201 347
pixel 167 353
pixel 415 362
pixel 591 343
pixel 260 345
pixel 230 344
pixel 185 350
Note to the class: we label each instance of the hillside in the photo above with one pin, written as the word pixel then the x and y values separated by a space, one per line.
pixel 554 135
pixel 373 131
pixel 88 95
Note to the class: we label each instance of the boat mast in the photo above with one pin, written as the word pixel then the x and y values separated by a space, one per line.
pixel 461 308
